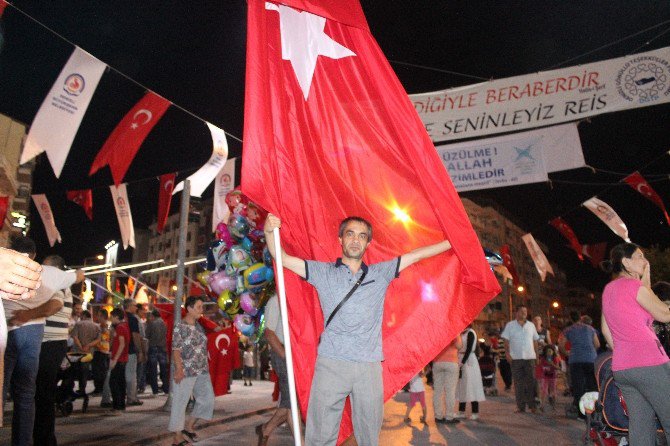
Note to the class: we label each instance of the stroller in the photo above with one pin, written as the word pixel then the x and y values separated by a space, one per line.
pixel 605 410
pixel 487 367
pixel 67 375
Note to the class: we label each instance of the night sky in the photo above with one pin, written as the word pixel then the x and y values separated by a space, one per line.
pixel 193 54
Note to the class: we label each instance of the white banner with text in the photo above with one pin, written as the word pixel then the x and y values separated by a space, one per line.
pixel 511 160
pixel 546 98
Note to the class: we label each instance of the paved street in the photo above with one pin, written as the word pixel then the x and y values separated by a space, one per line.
pixel 237 414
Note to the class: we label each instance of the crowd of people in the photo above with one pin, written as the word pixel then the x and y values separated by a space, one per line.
pixel 46 324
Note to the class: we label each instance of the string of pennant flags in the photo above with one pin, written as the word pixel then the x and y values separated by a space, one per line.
pixel 66 104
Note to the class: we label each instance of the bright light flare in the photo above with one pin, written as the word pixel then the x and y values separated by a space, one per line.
pixel 555 304
pixel 520 289
pixel 401 215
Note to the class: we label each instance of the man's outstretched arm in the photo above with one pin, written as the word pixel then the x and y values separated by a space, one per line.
pixel 423 253
pixel 295 264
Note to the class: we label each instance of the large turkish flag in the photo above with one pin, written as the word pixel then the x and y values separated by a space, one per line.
pixel 330 132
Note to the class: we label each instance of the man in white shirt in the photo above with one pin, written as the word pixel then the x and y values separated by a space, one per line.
pixel 520 350
pixel 25 323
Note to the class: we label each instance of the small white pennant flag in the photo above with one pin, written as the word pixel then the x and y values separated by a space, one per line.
pixel 123 215
pixel 541 263
pixel 605 212
pixel 43 207
pixel 206 174
pixel 225 182
pixel 61 112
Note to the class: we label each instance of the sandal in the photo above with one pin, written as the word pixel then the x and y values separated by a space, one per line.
pixel 191 435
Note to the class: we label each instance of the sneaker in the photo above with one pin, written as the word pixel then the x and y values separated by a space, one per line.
pixel 135 403
pixel 474 416
pixel 460 415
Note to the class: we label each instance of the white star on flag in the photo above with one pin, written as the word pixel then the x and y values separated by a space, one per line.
pixel 303 41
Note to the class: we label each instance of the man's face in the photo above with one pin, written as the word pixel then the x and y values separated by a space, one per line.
pixel 354 240
pixel 132 309
pixel 522 314
pixel 77 309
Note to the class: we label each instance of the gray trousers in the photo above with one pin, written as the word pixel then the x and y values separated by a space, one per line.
pixel 200 387
pixel 445 380
pixel 333 381
pixel 645 391
pixel 131 378
pixel 523 375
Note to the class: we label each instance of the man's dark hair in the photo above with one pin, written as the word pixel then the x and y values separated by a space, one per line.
pixel 518 307
pixel 140 306
pixel 118 313
pixel 191 300
pixel 85 314
pixel 102 313
pixel 23 244
pixel 127 303
pixel 55 261
pixel 156 313
pixel 575 316
pixel 347 220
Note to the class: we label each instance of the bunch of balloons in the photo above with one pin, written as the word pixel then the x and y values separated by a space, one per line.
pixel 239 270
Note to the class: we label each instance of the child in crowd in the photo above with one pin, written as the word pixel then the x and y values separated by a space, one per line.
pixel 416 394
pixel 550 365
pixel 248 361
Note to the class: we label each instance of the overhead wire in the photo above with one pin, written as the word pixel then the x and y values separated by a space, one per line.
pixel 119 72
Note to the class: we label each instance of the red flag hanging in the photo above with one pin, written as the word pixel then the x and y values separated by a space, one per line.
pixel 222 349
pixel 164 199
pixel 637 182
pixel 83 198
pixel 330 132
pixel 126 139
pixel 3 5
pixel 595 253
pixel 509 264
pixel 220 362
pixel 569 234
pixel 4 206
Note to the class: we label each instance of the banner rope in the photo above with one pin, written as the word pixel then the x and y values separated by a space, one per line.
pixel 60 36
pixel 607 45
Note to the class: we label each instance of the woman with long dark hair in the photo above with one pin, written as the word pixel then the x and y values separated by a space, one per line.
pixel 640 365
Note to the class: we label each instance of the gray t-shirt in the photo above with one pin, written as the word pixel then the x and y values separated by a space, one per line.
pixel 355 333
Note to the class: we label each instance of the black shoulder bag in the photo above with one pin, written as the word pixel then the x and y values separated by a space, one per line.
pixel 343 301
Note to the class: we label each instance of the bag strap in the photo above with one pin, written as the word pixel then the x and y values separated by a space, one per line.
pixel 342 302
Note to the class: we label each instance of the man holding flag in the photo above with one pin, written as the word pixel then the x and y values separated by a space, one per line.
pixel 350 351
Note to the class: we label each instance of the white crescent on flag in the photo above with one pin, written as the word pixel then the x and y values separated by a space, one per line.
pixel 223 351
pixel 138 113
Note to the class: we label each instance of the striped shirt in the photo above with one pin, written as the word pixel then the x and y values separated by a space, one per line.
pixel 56 328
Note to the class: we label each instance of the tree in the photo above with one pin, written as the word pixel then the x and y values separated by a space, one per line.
pixel 659 259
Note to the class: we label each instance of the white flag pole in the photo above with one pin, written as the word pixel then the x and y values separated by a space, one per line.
pixel 287 339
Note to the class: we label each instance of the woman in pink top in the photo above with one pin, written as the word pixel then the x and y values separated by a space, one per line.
pixel 641 366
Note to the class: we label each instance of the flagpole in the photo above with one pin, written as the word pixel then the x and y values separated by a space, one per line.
pixel 287 339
